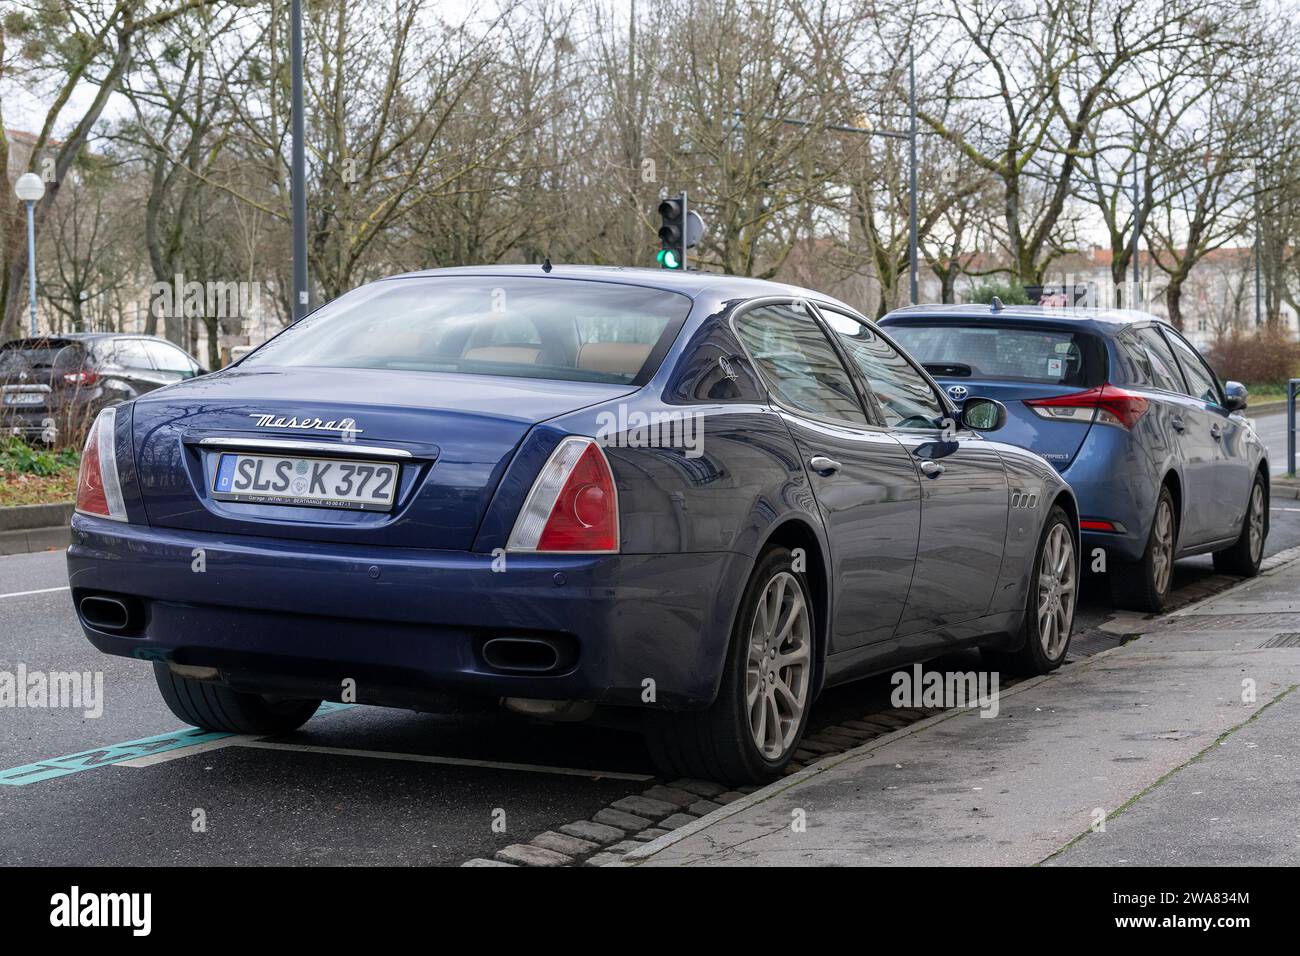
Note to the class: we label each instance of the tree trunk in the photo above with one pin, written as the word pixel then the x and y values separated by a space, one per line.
pixel 1174 300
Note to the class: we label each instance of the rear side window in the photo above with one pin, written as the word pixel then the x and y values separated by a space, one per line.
pixel 488 325
pixel 797 360
pixel 1200 380
pixel 1012 353
pixel 1150 361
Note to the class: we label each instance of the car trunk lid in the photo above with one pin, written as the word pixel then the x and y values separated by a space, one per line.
pixel 452 436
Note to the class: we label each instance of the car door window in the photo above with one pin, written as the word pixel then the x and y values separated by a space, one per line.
pixel 168 358
pixel 1160 366
pixel 128 353
pixel 798 362
pixel 906 399
pixel 1201 383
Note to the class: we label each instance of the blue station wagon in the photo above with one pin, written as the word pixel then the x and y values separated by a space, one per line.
pixel 1157 450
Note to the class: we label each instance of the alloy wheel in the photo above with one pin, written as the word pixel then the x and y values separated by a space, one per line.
pixel 1255 517
pixel 1162 547
pixel 777 670
pixel 1056 584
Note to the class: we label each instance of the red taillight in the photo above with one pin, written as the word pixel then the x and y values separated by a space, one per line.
pixel 573 505
pixel 83 379
pixel 98 490
pixel 1105 403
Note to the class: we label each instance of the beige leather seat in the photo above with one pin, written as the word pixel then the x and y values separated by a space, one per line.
pixel 618 358
pixel 512 354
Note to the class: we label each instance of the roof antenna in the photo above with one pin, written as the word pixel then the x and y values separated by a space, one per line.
pixel 997 304
pixel 546 264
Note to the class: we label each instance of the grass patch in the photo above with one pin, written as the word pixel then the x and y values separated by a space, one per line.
pixel 1267 390
pixel 30 476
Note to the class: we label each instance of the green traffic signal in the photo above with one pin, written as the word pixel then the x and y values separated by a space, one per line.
pixel 668 259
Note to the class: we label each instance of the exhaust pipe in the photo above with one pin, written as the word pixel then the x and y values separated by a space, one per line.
pixel 558 710
pixel 105 613
pixel 521 654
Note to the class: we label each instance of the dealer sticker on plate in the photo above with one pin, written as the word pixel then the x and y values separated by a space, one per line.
pixel 313 482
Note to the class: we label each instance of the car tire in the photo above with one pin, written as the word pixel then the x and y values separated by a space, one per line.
pixel 1144 585
pixel 722 742
pixel 1244 557
pixel 217 707
pixel 1049 614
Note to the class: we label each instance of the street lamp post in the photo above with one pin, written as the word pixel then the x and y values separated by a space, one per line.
pixel 911 137
pixel 1137 222
pixel 911 217
pixel 298 191
pixel 29 188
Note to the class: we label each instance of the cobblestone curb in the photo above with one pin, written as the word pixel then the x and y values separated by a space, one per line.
pixel 636 827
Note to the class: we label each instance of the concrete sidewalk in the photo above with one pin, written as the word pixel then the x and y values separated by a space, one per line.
pixel 1160 738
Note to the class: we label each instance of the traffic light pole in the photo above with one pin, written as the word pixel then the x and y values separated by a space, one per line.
pixel 686 262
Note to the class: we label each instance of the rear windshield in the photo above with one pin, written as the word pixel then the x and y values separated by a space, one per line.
pixel 1011 353
pixel 25 356
pixel 486 325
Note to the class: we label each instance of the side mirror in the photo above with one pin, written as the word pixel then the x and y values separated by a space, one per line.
pixel 983 414
pixel 1235 396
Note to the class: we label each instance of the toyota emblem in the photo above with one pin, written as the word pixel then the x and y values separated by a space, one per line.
pixel 958 393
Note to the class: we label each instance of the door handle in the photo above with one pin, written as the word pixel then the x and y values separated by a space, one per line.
pixel 823 465
pixel 1216 432
pixel 931 469
pixel 1177 424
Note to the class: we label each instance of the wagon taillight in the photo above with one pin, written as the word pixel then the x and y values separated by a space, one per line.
pixel 1105 403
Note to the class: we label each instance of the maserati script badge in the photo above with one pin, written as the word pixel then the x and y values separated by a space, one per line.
pixel 348 425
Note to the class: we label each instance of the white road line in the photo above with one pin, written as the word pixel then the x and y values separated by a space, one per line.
pixel 150 760
pixel 1284 509
pixel 450 761
pixel 39 591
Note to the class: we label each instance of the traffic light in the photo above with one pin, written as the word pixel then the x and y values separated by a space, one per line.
pixel 672 233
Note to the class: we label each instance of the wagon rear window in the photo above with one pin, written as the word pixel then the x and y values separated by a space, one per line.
pixel 488 325
pixel 1014 353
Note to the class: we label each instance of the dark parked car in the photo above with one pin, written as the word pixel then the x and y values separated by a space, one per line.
pixel 1154 446
pixel 699 497
pixel 51 385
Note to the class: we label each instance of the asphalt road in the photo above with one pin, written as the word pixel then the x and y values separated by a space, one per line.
pixel 411 788
pixel 1271 428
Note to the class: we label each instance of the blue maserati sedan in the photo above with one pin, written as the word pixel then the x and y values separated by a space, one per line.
pixel 1156 448
pixel 699 497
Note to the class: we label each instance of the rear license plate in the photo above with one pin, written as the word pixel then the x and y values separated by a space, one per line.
pixel 311 482
pixel 24 398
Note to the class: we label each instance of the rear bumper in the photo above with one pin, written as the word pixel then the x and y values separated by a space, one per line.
pixel 408 625
pixel 26 421
pixel 56 417
pixel 1113 481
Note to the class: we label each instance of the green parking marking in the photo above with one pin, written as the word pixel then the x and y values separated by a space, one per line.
pixel 116 753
